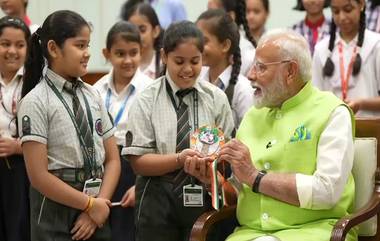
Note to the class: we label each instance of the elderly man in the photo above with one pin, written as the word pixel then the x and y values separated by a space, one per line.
pixel 294 150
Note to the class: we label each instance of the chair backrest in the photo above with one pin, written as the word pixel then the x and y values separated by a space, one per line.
pixel 366 169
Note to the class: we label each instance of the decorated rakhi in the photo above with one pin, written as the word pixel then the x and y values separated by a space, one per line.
pixel 208 141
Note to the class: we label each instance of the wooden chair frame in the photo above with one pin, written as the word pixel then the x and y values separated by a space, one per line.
pixel 368 127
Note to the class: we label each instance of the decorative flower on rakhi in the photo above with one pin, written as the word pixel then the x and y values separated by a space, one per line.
pixel 208 140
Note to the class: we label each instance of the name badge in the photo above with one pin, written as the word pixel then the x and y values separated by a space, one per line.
pixel 92 187
pixel 192 196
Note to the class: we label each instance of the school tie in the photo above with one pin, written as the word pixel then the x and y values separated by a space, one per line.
pixel 183 126
pixel 183 138
pixel 82 122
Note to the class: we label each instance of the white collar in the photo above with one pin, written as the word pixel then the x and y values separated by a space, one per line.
pixel 16 77
pixel 134 83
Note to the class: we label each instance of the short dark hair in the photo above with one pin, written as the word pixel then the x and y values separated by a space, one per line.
pixel 124 30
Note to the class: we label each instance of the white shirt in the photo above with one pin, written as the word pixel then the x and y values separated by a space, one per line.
pixel 247 51
pixel 366 84
pixel 243 93
pixel 138 83
pixel 335 155
pixel 150 70
pixel 11 94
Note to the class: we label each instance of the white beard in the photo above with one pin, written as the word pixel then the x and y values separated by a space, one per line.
pixel 272 95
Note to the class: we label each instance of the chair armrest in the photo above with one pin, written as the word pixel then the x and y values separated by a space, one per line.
pixel 204 223
pixel 346 223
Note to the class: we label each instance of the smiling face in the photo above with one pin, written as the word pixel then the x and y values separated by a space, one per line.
pixel 13 7
pixel 12 50
pixel 125 58
pixel 184 63
pixel 71 60
pixel 269 81
pixel 214 51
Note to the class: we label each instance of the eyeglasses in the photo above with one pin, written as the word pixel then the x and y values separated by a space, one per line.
pixel 260 68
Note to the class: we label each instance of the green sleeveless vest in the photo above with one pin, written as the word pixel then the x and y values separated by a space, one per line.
pixel 285 140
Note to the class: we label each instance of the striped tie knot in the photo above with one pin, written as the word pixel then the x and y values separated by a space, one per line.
pixel 71 87
pixel 182 93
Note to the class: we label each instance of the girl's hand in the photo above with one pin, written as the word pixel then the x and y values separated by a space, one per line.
pixel 100 211
pixel 129 198
pixel 84 227
pixel 9 146
pixel 199 167
pixel 187 153
pixel 355 105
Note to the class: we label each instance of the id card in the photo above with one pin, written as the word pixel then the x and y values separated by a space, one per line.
pixel 192 196
pixel 92 187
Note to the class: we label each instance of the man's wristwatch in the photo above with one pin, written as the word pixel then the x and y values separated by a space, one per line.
pixel 256 183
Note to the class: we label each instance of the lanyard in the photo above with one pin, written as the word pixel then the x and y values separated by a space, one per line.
pixel 88 152
pixel 195 111
pixel 345 76
pixel 14 100
pixel 122 107
pixel 195 103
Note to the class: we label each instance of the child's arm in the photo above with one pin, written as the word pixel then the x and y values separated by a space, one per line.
pixel 111 168
pixel 52 187
pixel 159 164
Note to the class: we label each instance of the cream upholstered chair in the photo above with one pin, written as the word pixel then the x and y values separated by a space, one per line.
pixel 366 171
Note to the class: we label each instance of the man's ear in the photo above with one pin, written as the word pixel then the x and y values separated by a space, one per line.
pixel 164 57
pixel 292 72
pixel 53 49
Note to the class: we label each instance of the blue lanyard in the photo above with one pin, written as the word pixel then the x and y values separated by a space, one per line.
pixel 122 107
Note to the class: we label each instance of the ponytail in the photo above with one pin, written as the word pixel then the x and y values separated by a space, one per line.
pixel 358 59
pixel 236 66
pixel 329 67
pixel 241 19
pixel 34 64
pixel 157 48
pixel 37 49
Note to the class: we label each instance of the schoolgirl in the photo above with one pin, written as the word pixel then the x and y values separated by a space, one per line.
pixel 257 13
pixel 14 183
pixel 237 10
pixel 119 89
pixel 67 136
pixel 145 18
pixel 158 138
pixel 17 8
pixel 347 62
pixel 315 26
pixel 221 44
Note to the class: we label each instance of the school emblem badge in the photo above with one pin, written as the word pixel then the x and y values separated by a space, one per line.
pixel 26 129
pixel 99 127
pixel 128 139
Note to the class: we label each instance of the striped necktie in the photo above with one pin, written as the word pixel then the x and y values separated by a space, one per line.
pixel 183 138
pixel 183 126
pixel 82 124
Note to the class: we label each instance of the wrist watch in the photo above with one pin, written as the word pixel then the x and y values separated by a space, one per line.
pixel 256 183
